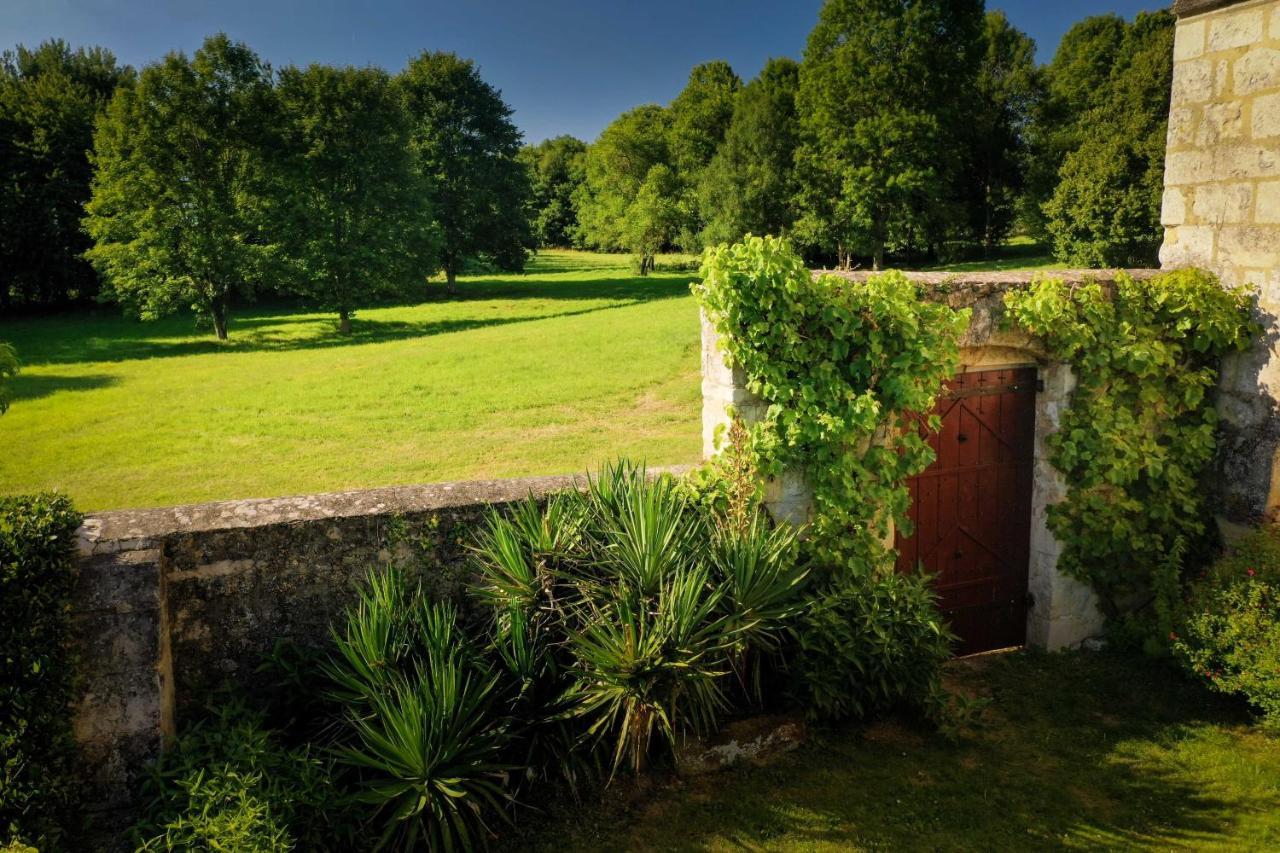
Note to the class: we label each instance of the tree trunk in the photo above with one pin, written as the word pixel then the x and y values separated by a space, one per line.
pixel 451 276
pixel 344 322
pixel 877 256
pixel 219 315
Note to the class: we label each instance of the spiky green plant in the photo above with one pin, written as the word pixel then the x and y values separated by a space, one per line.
pixel 646 667
pixel 755 565
pixel 420 725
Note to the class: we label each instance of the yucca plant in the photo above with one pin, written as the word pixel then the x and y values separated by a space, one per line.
pixel 420 725
pixel 755 565
pixel 643 531
pixel 649 666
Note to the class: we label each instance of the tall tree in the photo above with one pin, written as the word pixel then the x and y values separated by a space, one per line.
pixel 1009 89
pixel 617 165
pixel 557 167
pixel 49 99
pixel 354 207
pixel 468 149
pixel 654 215
pixel 699 118
pixel 882 91
pixel 1105 210
pixel 1075 81
pixel 176 211
pixel 750 184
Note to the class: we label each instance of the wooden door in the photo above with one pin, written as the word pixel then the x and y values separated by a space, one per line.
pixel 972 507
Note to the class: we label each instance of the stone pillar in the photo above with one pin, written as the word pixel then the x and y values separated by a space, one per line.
pixel 1221 212
pixel 725 393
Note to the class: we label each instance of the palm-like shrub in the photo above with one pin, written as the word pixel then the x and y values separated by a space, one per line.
pixel 420 726
pixel 646 666
pixel 762 581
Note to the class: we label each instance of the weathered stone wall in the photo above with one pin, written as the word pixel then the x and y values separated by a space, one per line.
pixel 173 602
pixel 1221 212
pixel 1063 612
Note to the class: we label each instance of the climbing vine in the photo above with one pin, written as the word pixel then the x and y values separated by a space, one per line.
pixel 841 367
pixel 1140 430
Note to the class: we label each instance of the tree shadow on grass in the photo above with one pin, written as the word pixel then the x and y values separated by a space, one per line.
pixel 1078 751
pixel 33 386
pixel 70 339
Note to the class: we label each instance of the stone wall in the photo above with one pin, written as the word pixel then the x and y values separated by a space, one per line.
pixel 1063 612
pixel 173 602
pixel 1221 212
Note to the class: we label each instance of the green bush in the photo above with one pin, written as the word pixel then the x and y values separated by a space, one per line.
pixel 37 572
pixel 873 641
pixel 228 783
pixel 1229 635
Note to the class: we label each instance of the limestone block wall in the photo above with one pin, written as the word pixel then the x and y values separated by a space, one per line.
pixel 1063 612
pixel 1221 212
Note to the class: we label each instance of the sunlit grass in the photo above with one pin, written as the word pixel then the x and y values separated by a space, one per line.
pixel 548 372
pixel 1079 752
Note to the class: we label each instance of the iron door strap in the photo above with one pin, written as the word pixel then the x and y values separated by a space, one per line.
pixel 1033 387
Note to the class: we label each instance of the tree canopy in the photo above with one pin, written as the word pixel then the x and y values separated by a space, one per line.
pixel 354 218
pixel 750 184
pixel 557 167
pixel 1105 208
pixel 49 99
pixel 467 148
pixel 178 192
pixel 882 90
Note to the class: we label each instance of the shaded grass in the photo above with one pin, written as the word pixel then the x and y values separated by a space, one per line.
pixel 547 372
pixel 1095 752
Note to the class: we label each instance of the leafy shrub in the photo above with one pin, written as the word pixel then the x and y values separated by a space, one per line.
pixel 227 783
pixel 1141 427
pixel 841 366
pixel 872 641
pixel 419 725
pixel 1229 635
pixel 37 572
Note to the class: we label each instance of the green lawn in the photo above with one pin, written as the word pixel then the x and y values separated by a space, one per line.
pixel 548 372
pixel 1080 752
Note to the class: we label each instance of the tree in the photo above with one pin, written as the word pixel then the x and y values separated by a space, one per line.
pixel 177 198
pixel 468 150
pixel 1105 210
pixel 617 165
pixel 49 99
pixel 1075 81
pixel 883 89
pixel 750 184
pixel 557 167
pixel 1009 89
pixel 654 216
pixel 8 370
pixel 352 219
pixel 699 117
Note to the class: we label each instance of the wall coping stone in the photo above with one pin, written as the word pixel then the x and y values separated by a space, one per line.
pixel 999 280
pixel 137 529
pixel 1187 8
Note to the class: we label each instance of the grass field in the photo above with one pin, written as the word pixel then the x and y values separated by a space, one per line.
pixel 1078 752
pixel 576 361
pixel 549 372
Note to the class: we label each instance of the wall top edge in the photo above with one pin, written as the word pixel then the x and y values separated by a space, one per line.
pixel 149 525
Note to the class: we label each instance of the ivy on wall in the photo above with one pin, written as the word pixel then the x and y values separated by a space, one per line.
pixel 840 366
pixel 1140 430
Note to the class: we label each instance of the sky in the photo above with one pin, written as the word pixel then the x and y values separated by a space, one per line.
pixel 564 66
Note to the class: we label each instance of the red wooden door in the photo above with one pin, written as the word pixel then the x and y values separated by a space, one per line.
pixel 972 507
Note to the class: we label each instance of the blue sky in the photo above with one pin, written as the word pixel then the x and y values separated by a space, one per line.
pixel 566 66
